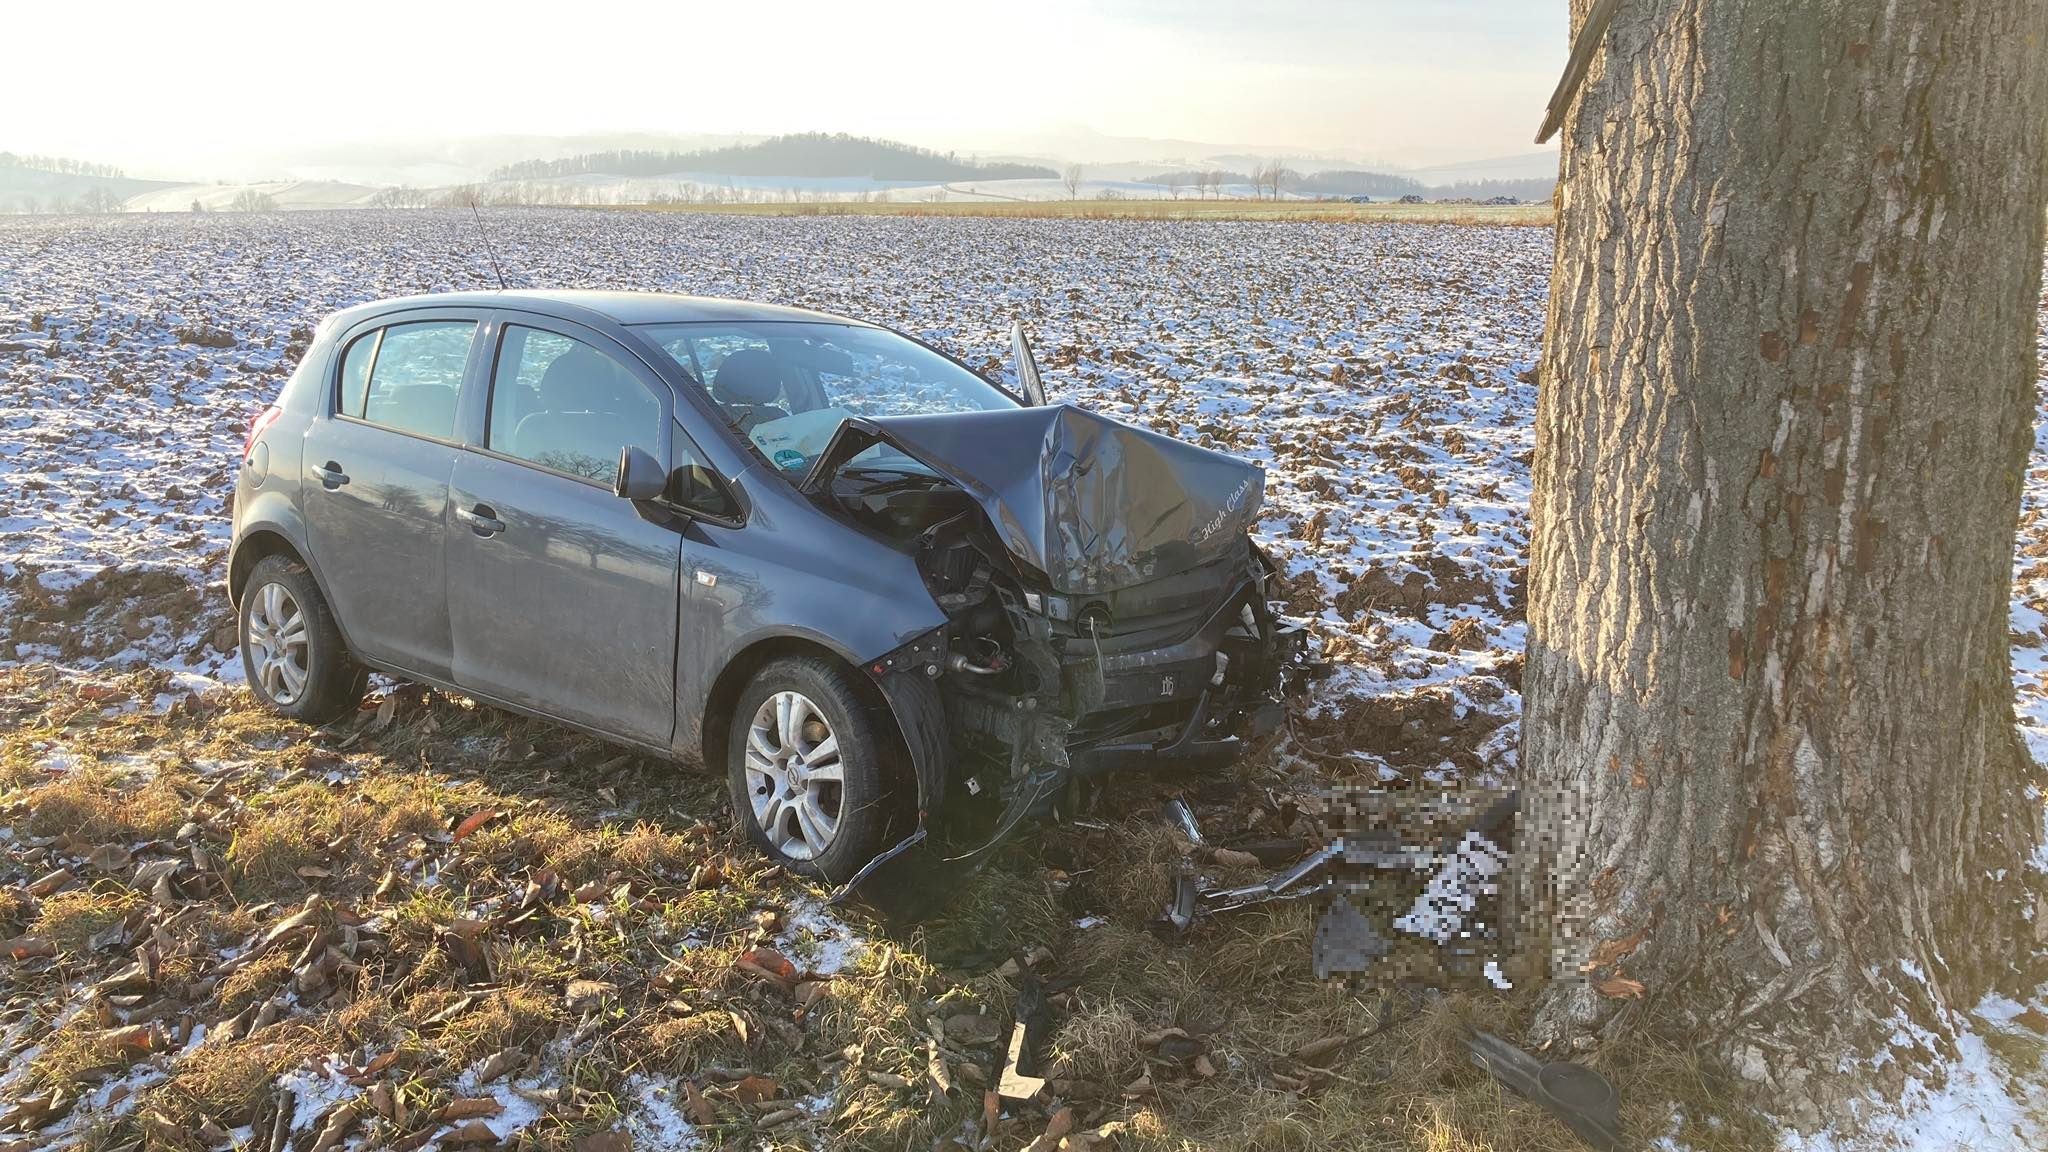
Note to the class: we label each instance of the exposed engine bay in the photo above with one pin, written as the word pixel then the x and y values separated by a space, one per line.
pixel 1105 604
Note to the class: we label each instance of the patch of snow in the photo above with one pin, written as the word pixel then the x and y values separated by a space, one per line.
pixel 817 940
pixel 654 1115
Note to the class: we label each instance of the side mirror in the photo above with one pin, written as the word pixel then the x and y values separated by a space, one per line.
pixel 640 476
pixel 1027 366
pixel 697 490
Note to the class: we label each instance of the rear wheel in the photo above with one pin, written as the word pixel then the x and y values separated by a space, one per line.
pixel 292 652
pixel 803 766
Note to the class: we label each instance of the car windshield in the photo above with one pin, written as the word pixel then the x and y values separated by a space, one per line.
pixel 787 385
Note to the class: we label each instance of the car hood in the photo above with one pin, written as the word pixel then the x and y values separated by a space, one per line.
pixel 1091 503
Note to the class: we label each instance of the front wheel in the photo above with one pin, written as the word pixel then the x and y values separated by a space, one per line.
pixel 803 766
pixel 291 649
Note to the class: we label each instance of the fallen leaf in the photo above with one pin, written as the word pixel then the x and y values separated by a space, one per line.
pixel 1056 1128
pixel 468 1108
pixel 1142 1086
pixel 474 1132
pixel 109 857
pixel 474 821
pixel 497 1064
pixel 754 1089
pixel 701 1112
pixel 584 995
pixel 28 947
pixel 610 1140
pixel 1318 1049
pixel 50 883
pixel 782 1116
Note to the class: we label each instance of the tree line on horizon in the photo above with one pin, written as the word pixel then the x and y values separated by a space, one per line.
pixel 63 166
pixel 816 155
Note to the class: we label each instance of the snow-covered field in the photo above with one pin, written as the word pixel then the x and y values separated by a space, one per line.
pixel 1377 371
pixel 1383 374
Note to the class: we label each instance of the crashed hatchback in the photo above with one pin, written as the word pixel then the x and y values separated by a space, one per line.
pixel 873 586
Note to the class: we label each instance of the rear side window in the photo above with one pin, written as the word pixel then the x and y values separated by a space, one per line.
pixel 564 405
pixel 408 376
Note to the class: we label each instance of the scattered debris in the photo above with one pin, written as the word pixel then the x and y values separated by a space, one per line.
pixel 1576 1094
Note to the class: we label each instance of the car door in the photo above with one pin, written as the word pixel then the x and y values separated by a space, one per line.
pixel 377 463
pixel 562 596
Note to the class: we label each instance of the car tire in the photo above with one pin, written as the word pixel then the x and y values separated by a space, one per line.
pixel 787 798
pixel 292 652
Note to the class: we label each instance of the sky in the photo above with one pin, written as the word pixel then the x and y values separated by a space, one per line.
pixel 221 84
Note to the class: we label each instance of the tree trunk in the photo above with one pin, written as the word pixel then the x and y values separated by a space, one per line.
pixel 1772 782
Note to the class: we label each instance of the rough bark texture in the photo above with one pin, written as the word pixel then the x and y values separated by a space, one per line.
pixel 1787 399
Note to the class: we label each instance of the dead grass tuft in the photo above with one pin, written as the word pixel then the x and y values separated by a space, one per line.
pixel 87 805
pixel 71 919
pixel 682 1046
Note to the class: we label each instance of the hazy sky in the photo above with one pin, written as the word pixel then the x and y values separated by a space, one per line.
pixel 200 82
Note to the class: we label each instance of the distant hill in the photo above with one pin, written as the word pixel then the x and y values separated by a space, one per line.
pixel 815 155
pixel 1378 185
pixel 57 184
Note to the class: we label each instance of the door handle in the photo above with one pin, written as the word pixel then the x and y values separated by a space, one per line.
pixel 481 519
pixel 331 476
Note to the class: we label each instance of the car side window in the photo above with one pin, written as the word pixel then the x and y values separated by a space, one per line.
pixel 414 376
pixel 355 372
pixel 562 404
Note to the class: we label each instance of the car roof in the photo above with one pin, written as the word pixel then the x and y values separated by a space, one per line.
pixel 617 307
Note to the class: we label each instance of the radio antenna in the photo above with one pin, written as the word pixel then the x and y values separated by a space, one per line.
pixel 486 236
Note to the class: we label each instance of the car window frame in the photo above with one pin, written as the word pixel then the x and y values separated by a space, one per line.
pixel 623 356
pixel 376 325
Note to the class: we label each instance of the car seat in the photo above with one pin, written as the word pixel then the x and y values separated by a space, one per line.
pixel 747 385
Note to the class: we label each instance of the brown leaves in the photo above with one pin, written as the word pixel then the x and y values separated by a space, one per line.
pixel 50 883
pixel 767 964
pixel 584 995
pixel 469 1108
pixel 28 947
pixel 474 821
pixel 701 1112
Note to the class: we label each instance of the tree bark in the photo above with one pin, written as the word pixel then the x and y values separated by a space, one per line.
pixel 1772 785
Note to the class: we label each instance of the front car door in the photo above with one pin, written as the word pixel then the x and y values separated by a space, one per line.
pixel 562 596
pixel 377 463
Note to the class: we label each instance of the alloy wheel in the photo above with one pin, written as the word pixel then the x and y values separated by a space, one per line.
pixel 276 636
pixel 795 780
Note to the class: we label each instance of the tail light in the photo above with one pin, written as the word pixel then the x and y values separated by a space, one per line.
pixel 264 419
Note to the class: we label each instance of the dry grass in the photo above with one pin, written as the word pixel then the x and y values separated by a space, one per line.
pixel 467 949
pixel 71 919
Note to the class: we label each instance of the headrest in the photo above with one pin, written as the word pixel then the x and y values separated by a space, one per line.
pixel 749 376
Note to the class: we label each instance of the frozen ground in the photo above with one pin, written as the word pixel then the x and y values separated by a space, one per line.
pixel 1382 373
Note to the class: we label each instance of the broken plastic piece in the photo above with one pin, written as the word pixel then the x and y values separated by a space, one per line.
pixel 1182 818
pixel 1576 1094
pixel 868 869
pixel 1014 1085
pixel 1346 943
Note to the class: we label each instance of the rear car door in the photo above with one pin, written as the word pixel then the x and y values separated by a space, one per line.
pixel 377 465
pixel 563 596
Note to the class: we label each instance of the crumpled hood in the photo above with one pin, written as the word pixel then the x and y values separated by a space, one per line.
pixel 1094 504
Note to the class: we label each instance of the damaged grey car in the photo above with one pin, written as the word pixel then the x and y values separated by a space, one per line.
pixel 894 601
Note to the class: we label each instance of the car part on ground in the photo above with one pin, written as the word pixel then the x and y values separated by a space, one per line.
pixel 1462 870
pixel 1574 1093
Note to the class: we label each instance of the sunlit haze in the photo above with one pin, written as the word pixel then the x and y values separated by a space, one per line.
pixel 243 90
